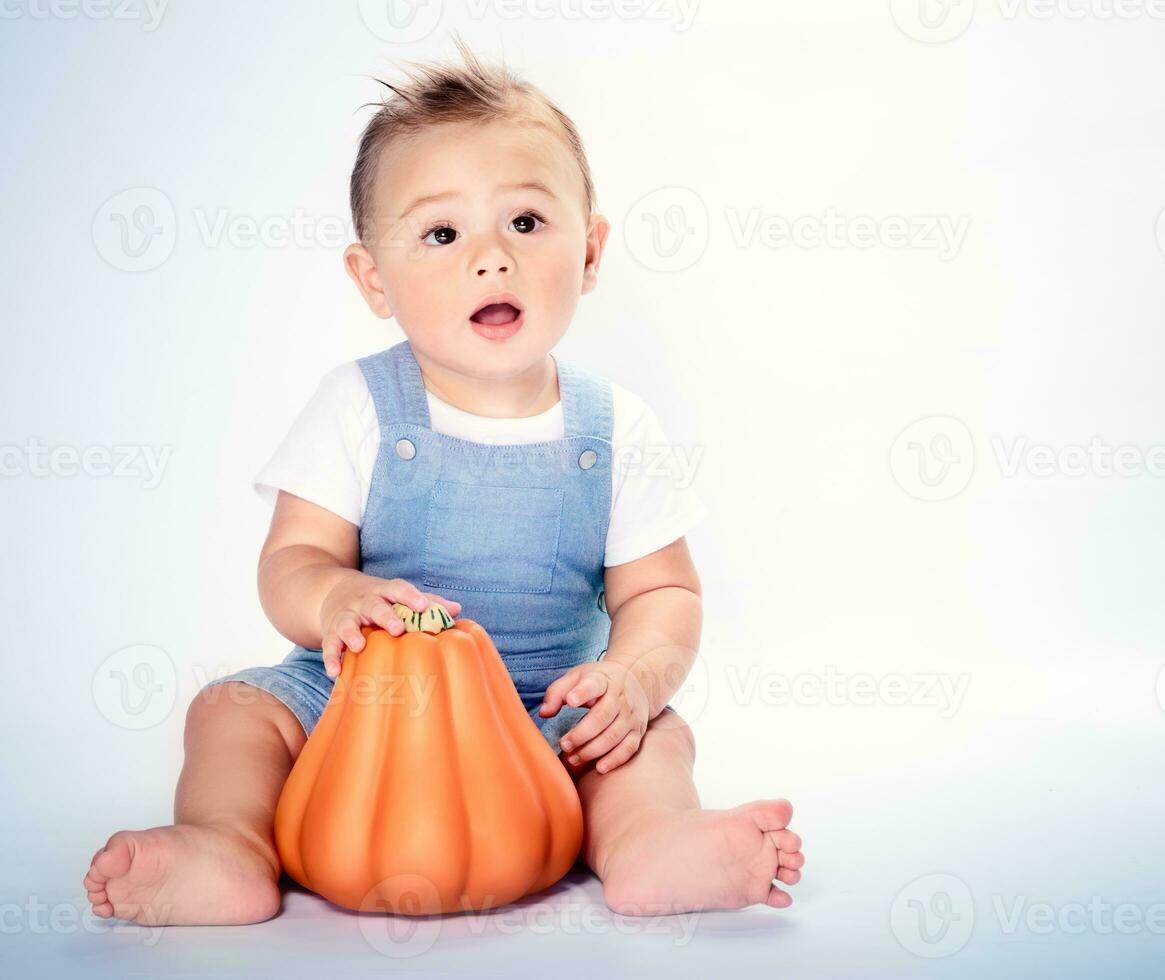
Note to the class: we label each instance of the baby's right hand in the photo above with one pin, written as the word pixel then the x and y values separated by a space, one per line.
pixel 366 600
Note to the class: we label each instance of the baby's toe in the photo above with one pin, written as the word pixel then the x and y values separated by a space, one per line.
pixel 778 899
pixel 793 861
pixel 771 815
pixel 788 876
pixel 785 840
pixel 113 860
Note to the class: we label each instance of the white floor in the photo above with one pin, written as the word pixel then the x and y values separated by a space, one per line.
pixel 1038 833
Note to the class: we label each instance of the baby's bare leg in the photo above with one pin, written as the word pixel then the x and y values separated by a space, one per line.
pixel 657 851
pixel 241 743
pixel 217 864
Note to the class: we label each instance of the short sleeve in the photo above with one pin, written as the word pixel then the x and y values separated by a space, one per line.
pixel 321 456
pixel 654 502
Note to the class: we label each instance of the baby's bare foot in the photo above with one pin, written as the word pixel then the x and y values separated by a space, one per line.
pixel 698 860
pixel 183 875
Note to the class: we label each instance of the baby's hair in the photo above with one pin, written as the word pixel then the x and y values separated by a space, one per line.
pixel 443 92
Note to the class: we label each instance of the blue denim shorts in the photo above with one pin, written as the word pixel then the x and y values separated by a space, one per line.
pixel 301 683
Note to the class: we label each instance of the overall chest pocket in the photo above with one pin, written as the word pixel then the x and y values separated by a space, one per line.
pixel 492 539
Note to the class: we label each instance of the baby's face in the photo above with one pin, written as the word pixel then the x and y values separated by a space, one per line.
pixel 507 217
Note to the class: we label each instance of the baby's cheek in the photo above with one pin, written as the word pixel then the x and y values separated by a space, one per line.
pixel 422 299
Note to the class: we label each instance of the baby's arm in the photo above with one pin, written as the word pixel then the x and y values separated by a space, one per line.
pixel 656 609
pixel 655 604
pixel 312 590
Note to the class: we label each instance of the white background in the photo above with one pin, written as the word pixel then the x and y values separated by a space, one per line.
pixel 796 372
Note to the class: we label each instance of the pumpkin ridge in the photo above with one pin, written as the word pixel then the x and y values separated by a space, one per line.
pixel 319 807
pixel 420 761
pixel 494 726
pixel 454 751
pixel 384 854
pixel 309 778
pixel 501 689
pixel 291 809
pixel 373 859
pixel 547 834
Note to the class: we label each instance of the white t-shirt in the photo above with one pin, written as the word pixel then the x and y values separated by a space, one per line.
pixel 327 457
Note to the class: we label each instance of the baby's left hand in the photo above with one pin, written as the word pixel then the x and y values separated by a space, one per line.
pixel 616 721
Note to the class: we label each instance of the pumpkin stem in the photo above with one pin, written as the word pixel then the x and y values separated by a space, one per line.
pixel 434 619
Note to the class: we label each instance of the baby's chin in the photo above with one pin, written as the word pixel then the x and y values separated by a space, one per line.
pixel 465 350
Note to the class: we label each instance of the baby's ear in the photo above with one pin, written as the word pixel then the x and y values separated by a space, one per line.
pixel 362 269
pixel 597 233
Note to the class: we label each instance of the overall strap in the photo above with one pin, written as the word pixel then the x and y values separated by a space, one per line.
pixel 587 404
pixel 394 382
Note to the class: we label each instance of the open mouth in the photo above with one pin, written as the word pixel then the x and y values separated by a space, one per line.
pixel 496 314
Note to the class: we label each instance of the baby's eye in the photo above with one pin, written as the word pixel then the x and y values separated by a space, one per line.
pixel 449 234
pixel 527 219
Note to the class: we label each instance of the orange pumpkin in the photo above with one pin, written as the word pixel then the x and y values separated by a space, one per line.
pixel 425 786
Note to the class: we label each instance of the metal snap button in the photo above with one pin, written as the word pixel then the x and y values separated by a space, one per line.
pixel 588 459
pixel 405 449
pixel 602 605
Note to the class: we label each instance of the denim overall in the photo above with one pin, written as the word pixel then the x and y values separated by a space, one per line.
pixel 515 533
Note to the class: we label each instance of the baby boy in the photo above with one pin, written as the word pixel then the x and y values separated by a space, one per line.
pixel 469 459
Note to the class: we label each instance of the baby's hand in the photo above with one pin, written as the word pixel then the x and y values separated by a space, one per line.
pixel 614 726
pixel 366 600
